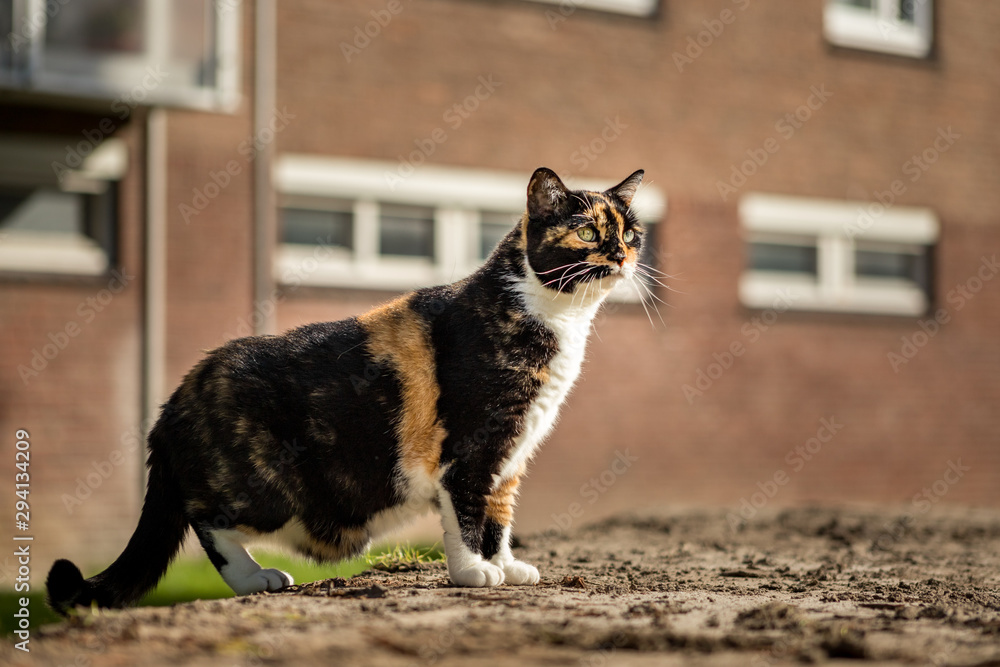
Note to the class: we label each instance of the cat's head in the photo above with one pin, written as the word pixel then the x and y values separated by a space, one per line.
pixel 577 239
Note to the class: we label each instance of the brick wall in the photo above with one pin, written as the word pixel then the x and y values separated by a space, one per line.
pixel 687 129
pixel 82 406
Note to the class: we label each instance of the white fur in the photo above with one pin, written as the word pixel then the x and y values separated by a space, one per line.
pixel 465 568
pixel 241 572
pixel 516 572
pixel 569 316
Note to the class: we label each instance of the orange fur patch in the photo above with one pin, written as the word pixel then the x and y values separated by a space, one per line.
pixel 401 338
pixel 500 502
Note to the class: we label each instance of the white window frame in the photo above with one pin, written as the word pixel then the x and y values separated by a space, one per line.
pixel 144 78
pixel 880 29
pixel 28 161
pixel 457 195
pixel 626 7
pixel 838 228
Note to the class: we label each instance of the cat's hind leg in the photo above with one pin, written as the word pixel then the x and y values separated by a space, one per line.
pixel 238 568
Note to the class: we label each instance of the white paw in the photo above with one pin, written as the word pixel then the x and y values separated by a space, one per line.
pixel 276 579
pixel 519 573
pixel 478 574
pixel 261 580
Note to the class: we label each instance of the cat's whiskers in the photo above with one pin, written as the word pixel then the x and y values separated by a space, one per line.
pixel 649 296
pixel 653 269
pixel 653 300
pixel 642 301
pixel 583 295
pixel 566 279
pixel 645 271
pixel 564 266
pixel 564 275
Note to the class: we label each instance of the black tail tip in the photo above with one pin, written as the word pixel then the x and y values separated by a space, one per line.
pixel 65 585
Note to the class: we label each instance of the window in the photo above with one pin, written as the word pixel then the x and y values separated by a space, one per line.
pixel 493 226
pixel 307 221
pixel 353 223
pixel 817 254
pixel 181 52
pixel 628 7
pixel 899 27
pixel 406 231
pixel 58 223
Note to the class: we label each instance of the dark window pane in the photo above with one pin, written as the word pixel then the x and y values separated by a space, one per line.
pixel 98 27
pixel 42 210
pixel 406 230
pixel 781 257
pixel 50 213
pixel 308 226
pixel 879 264
pixel 907 11
pixel 862 4
pixel 7 33
pixel 492 228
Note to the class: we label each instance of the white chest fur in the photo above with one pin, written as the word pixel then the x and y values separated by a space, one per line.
pixel 569 317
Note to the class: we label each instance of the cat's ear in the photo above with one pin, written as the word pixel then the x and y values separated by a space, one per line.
pixel 627 188
pixel 546 194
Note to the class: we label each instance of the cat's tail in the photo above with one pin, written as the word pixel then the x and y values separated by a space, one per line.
pixel 155 542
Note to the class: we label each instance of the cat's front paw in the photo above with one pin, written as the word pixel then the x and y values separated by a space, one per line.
pixel 477 575
pixel 519 573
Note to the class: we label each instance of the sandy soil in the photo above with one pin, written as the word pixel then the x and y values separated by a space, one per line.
pixel 682 588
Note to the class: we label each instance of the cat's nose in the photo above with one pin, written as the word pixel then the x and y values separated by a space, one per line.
pixel 618 257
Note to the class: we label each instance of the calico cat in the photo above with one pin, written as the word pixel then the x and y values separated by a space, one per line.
pixel 332 434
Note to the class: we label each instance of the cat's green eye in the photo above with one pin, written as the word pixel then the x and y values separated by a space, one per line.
pixel 629 236
pixel 587 234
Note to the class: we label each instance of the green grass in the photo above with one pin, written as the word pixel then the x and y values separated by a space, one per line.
pixel 196 579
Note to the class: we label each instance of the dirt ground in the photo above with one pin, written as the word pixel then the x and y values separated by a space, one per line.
pixel 673 588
